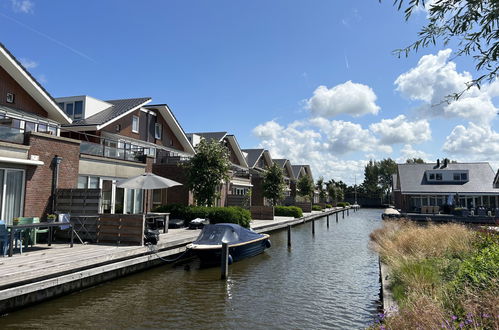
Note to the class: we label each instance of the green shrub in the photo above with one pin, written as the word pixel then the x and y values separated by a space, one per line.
pixel 342 204
pixel 231 214
pixel 328 206
pixel 316 208
pixel 288 211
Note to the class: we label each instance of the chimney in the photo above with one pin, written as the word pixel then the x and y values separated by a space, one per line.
pixel 446 161
pixel 438 163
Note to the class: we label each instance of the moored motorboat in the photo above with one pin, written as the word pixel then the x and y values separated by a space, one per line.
pixel 243 243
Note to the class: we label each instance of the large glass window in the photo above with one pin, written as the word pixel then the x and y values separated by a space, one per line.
pixel 69 109
pixel 12 186
pixel 158 130
pixel 82 182
pixel 78 109
pixel 93 182
pixel 135 124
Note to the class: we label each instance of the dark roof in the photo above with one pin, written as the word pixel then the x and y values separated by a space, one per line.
pixel 253 155
pixel 413 179
pixel 280 162
pixel 217 136
pixel 118 108
pixel 296 170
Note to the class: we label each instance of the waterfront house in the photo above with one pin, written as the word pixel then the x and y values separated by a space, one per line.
pixel 234 192
pixel 289 180
pixel 259 160
pixel 121 139
pixel 468 185
pixel 34 159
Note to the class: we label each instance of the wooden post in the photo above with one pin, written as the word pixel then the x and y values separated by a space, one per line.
pixel 348 212
pixel 336 216
pixel 313 227
pixel 343 214
pixel 289 236
pixel 11 241
pixel 224 266
pixel 327 220
pixel 72 234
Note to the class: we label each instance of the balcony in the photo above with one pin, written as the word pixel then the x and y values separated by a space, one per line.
pixel 96 149
pixel 9 134
pixel 169 158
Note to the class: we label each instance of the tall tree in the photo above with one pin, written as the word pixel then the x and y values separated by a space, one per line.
pixel 305 186
pixel 206 171
pixel 472 23
pixel 273 184
pixel 387 167
pixel 415 161
pixel 371 178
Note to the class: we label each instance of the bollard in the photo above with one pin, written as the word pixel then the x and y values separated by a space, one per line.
pixel 313 227
pixel 224 266
pixel 343 214
pixel 327 220
pixel 348 213
pixel 336 216
pixel 289 236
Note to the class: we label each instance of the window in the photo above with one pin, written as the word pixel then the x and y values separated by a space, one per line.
pixel 78 110
pixel 29 127
pixel 69 109
pixel 11 97
pixel 432 176
pixel 42 127
pixel 82 182
pixel 457 177
pixel 61 105
pixel 135 124
pixel 158 129
pixel 93 182
pixel 438 176
pixel 11 194
pixel 464 176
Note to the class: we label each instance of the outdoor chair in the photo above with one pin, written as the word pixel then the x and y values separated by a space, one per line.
pixel 37 231
pixel 26 235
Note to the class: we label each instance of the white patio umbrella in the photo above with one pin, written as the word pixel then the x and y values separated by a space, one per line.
pixel 147 181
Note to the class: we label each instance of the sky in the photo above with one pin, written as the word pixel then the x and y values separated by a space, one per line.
pixel 313 81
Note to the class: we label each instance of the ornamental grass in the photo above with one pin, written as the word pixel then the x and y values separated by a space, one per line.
pixel 444 276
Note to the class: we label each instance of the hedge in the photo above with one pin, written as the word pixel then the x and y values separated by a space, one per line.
pixel 343 204
pixel 288 211
pixel 316 208
pixel 230 214
pixel 328 206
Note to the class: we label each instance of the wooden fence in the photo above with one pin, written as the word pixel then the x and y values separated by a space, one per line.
pixel 238 200
pixel 121 229
pixel 78 201
pixel 262 212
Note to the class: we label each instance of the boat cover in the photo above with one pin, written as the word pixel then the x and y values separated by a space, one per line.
pixel 225 232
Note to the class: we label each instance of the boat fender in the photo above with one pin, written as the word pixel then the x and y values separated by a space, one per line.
pixel 268 244
pixel 230 260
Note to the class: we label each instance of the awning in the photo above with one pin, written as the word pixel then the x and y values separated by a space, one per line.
pixel 241 184
pixel 21 161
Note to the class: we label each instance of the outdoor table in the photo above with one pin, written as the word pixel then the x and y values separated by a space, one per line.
pixel 50 225
pixel 159 218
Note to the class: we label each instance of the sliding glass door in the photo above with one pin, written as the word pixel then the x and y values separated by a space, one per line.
pixel 11 193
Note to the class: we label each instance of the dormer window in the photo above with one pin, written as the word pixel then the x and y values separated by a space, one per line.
pixel 438 176
pixel 432 176
pixel 74 109
pixel 464 176
pixel 11 97
pixel 135 124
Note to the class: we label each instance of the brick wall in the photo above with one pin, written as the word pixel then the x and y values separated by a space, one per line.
pixel 257 198
pixel 22 101
pixel 177 194
pixel 37 200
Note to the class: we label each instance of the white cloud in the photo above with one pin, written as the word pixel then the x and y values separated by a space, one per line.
pixel 435 78
pixel 23 6
pixel 28 64
pixel 408 152
pixel 473 142
pixel 400 130
pixel 347 98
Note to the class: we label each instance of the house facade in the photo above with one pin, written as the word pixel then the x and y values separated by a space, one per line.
pixel 259 160
pixel 289 181
pixel 34 159
pixel 467 185
pixel 122 139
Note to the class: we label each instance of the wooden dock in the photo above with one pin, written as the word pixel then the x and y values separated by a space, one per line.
pixel 46 272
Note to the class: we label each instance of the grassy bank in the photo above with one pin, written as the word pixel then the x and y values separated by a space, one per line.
pixel 444 276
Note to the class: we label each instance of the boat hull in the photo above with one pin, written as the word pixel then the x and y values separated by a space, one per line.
pixel 213 257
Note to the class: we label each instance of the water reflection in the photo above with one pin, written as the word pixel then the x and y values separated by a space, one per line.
pixel 326 281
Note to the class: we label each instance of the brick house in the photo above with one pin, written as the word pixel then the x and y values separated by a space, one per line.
pixel 289 179
pixel 30 144
pixel 121 139
pixel 259 160
pixel 234 192
pixel 299 171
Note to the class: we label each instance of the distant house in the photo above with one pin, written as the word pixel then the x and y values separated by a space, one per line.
pixel 259 160
pixel 235 191
pixel 33 156
pixel 301 170
pixel 462 184
pixel 289 180
pixel 121 139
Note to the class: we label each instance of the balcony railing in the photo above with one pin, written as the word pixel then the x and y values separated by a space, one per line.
pixel 167 157
pixel 95 149
pixel 9 134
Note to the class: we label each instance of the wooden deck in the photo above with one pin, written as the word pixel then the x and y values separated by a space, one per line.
pixel 43 272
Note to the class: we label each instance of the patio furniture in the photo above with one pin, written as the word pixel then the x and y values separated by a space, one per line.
pixel 4 238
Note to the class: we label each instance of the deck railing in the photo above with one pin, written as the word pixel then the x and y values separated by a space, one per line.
pixel 96 149
pixel 9 134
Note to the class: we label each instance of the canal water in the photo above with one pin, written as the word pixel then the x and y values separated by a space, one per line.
pixel 326 281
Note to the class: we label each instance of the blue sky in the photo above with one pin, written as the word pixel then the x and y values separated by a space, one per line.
pixel 254 68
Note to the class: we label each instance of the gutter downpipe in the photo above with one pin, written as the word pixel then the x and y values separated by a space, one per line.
pixel 56 161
